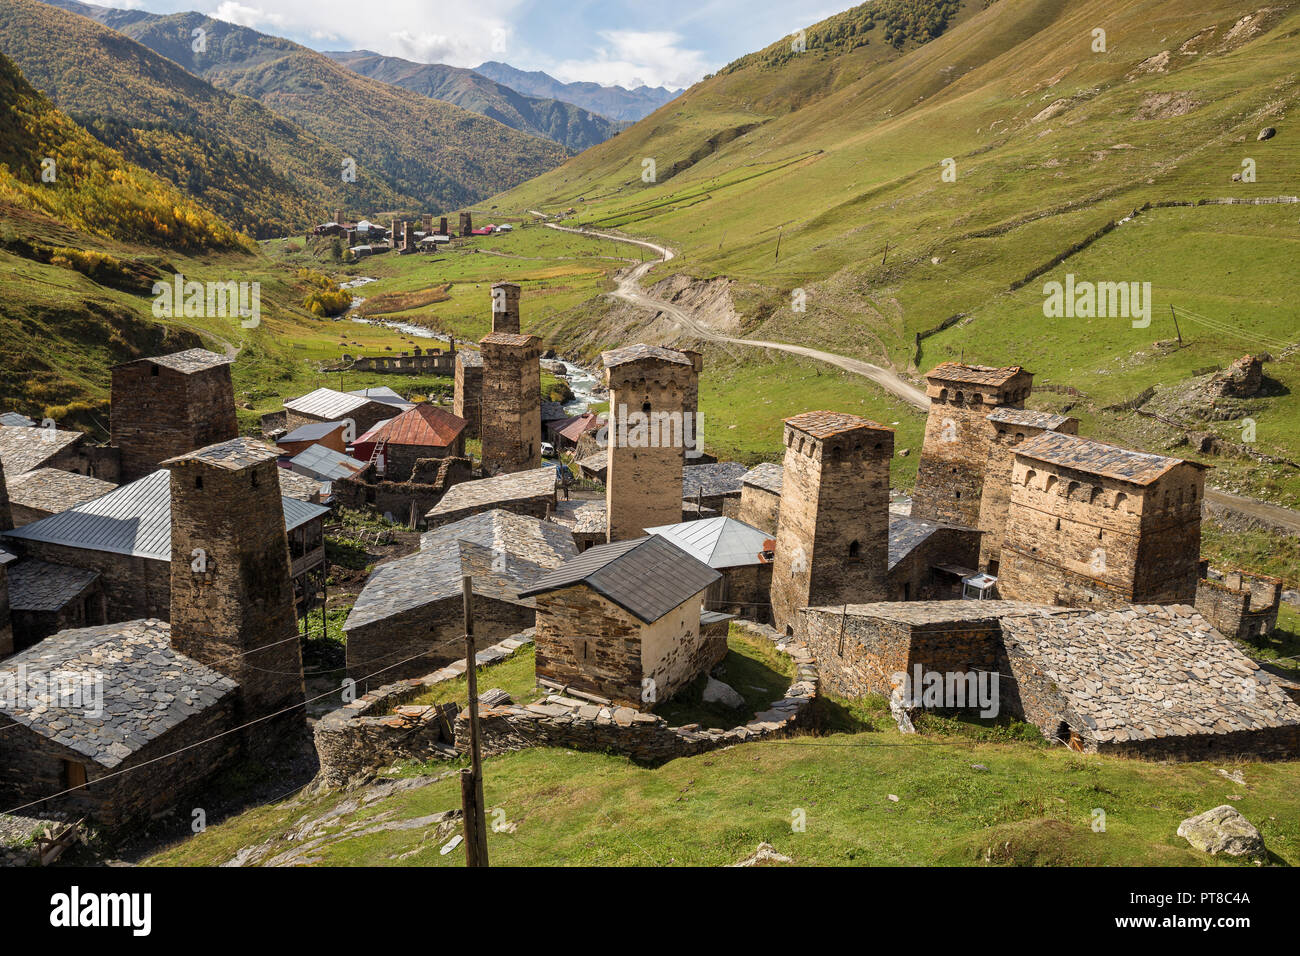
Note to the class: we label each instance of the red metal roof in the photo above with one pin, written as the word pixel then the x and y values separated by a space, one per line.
pixel 425 425
pixel 575 428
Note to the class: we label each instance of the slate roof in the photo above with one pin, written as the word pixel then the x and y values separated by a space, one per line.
pixel 13 418
pixel 434 572
pixel 471 358
pixel 647 577
pixel 326 403
pixel 1149 671
pixel 1098 458
pixel 922 613
pixel 187 362
pixel 233 455
pixel 134 519
pixel 545 543
pixel 53 490
pixel 508 338
pixel 718 478
pixel 767 476
pixel 302 487
pixel 637 353
pixel 41 586
pixel 974 374
pixel 595 462
pixel 312 432
pixel 906 534
pixel 553 411
pixel 148 688
pixel 1048 421
pixel 23 449
pixel 423 426
pixel 718 542
pixel 828 424
pixel 325 463
pixel 484 492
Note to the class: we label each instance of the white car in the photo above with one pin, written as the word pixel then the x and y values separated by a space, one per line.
pixel 548 450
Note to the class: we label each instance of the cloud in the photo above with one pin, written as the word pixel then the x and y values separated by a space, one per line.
pixel 637 57
pixel 246 16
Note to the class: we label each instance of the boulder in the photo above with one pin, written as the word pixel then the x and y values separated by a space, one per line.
pixel 1268 132
pixel 1222 830
pixel 716 692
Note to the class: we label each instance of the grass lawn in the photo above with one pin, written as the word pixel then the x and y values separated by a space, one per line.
pixel 516 676
pixel 752 667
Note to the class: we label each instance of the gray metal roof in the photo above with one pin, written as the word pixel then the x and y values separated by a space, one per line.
pixel 134 519
pixel 718 542
pixel 325 464
pixel 327 403
pixel 312 431
pixel 647 577
pixel 147 688
pixel 380 393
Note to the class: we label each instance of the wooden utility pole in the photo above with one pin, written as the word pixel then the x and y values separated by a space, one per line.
pixel 471 779
pixel 885 257
pixel 778 243
pixel 1177 330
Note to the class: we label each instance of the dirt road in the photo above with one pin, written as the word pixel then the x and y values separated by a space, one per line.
pixel 629 290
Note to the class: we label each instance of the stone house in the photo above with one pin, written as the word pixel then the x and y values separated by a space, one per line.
pixel 46 598
pixel 408 620
pixel 425 432
pixel 958 435
pixel 1011 428
pixel 529 493
pixel 759 505
pixel 327 405
pixel 714 485
pixel 326 434
pixel 125 537
pixel 169 405
pixel 1094 524
pixel 42 492
pixel 741 554
pixel 832 539
pixel 1240 605
pixel 24 449
pixel 623 621
pixel 405 501
pixel 927 560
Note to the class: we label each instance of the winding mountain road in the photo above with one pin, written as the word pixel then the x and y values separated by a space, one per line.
pixel 629 290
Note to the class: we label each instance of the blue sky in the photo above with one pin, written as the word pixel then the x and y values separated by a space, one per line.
pixel 657 42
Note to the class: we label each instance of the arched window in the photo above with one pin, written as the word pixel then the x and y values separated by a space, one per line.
pixel 854 548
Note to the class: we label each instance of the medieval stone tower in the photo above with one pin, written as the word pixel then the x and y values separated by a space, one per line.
pixel 691 404
pixel 832 536
pixel 648 388
pixel 166 406
pixel 958 436
pixel 442 226
pixel 466 224
pixel 1011 428
pixel 231 591
pixel 505 307
pixel 511 404
pixel 468 400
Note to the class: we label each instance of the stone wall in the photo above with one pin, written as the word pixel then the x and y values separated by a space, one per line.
pixel 958 436
pixel 414 642
pixel 996 495
pixel 643 485
pixel 587 641
pixel 159 412
pixel 429 482
pixel 511 423
pixel 432 362
pixel 1080 539
pixel 748 592
pixel 505 307
pixel 6 628
pixel 1241 605
pixel 402 461
pixel 32 768
pixel 832 541
pixel 757 507
pixel 468 403
pixel 915 578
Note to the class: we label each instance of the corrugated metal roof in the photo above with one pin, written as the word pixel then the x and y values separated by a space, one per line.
pixel 326 403
pixel 135 519
pixel 380 393
pixel 312 432
pixel 325 464
pixel 647 577
pixel 718 542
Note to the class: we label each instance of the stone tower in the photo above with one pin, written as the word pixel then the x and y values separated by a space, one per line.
pixel 832 536
pixel 6 524
pixel 505 307
pixel 648 386
pixel 691 406
pixel 468 400
pixel 442 226
pixel 958 437
pixel 6 512
pixel 511 404
pixel 1011 428
pixel 466 224
pixel 167 406
pixel 231 591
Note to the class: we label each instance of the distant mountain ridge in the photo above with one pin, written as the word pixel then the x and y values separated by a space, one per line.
pixel 411 153
pixel 615 102
pixel 571 126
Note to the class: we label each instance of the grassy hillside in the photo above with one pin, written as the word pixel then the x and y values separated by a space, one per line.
pixel 569 125
pixel 837 155
pixel 438 155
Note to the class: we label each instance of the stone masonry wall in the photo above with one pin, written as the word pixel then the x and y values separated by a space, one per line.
pixel 468 402
pixel 588 642
pixel 511 424
pixel 1241 606
pixel 832 541
pixel 134 587
pixel 159 412
pixel 996 496
pixel 758 508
